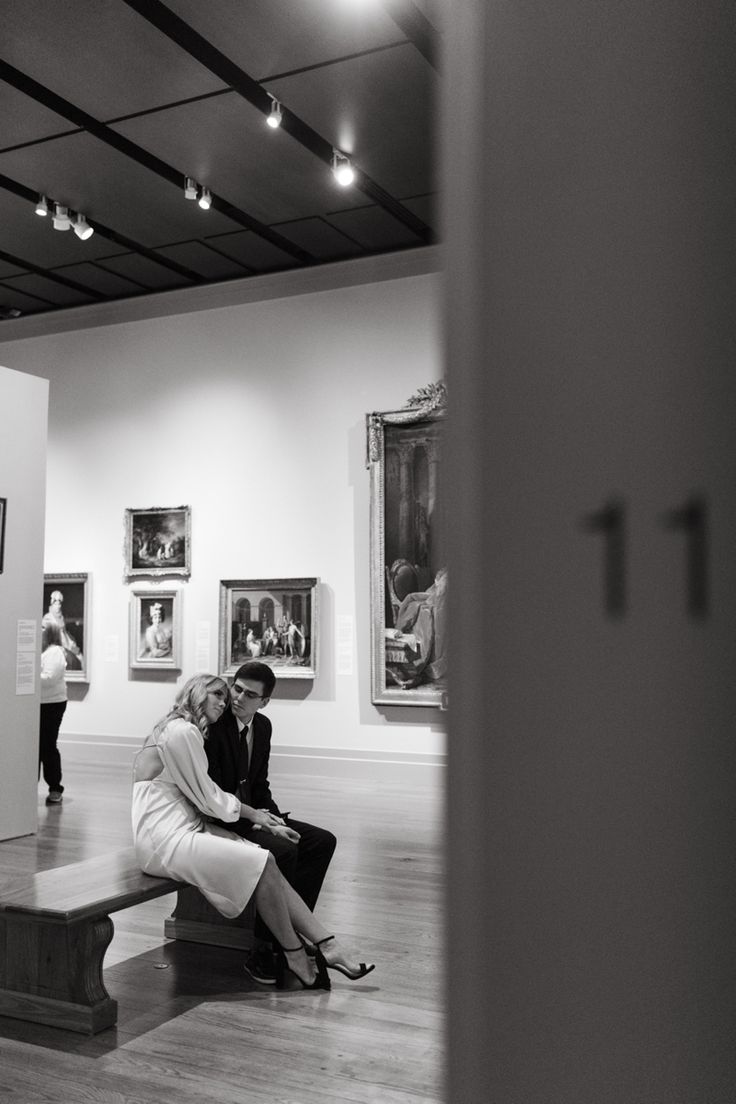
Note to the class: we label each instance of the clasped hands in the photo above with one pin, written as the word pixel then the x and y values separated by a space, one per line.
pixel 275 824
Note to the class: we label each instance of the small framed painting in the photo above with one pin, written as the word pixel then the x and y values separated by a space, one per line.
pixel 155 630
pixel 66 604
pixel 158 541
pixel 3 511
pixel 273 620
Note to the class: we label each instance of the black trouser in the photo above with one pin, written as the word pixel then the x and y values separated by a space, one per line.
pixel 48 752
pixel 303 864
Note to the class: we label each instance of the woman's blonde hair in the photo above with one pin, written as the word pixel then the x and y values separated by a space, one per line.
pixel 191 701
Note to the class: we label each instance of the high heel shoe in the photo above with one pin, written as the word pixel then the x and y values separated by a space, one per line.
pixel 361 972
pixel 321 980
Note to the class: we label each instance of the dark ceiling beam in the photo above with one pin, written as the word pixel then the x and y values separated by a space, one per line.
pixel 417 28
pixel 23 192
pixel 110 137
pixel 208 55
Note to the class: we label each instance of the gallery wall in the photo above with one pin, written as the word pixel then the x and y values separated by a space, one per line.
pixel 254 415
pixel 23 406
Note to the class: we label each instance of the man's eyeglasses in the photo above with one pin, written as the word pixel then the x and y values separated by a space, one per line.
pixel 242 692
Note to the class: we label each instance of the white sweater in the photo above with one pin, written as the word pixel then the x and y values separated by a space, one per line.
pixel 53 683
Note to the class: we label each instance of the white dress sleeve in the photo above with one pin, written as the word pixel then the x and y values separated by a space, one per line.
pixel 181 748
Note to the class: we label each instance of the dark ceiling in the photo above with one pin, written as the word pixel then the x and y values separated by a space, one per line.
pixel 106 106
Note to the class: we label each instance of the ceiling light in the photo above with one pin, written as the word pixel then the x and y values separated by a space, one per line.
pixel 61 217
pixel 190 188
pixel 342 169
pixel 205 199
pixel 274 119
pixel 82 228
pixel 42 207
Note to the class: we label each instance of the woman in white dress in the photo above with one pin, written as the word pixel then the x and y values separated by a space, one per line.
pixel 173 797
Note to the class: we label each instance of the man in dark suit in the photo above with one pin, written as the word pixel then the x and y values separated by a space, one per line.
pixel 238 749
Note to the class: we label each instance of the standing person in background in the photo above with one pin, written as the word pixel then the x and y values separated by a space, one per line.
pixel 53 706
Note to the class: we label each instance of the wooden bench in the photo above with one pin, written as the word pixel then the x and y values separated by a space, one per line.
pixel 55 927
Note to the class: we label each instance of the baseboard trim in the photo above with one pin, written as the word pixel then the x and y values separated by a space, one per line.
pixel 285 759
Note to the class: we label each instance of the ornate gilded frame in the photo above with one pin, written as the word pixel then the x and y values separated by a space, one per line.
pixel 403 518
pixel 274 600
pixel 158 541
pixel 164 654
pixel 76 619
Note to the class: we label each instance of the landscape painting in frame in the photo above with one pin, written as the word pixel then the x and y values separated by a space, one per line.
pixel 66 605
pixel 155 630
pixel 158 541
pixel 272 620
pixel 408 567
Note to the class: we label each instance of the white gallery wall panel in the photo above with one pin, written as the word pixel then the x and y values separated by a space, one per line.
pixel 253 415
pixel 23 409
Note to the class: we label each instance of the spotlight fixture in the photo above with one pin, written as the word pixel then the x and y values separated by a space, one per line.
pixel 61 217
pixel 42 207
pixel 342 169
pixel 82 228
pixel 274 119
pixel 205 199
pixel 191 188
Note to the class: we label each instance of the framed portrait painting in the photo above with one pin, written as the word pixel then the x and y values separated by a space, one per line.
pixel 407 563
pixel 273 620
pixel 66 605
pixel 155 630
pixel 158 541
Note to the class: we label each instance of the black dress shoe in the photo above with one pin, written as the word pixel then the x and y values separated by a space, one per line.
pixel 261 966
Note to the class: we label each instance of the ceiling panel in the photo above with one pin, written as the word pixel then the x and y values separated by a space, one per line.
pixel 24 120
pixel 320 239
pixel 200 258
pixel 7 269
pixel 97 276
pixel 12 298
pixel 145 272
pixel 48 289
pixel 89 176
pixel 99 54
pixel 253 251
pixel 373 227
pixel 281 35
pixel 226 144
pixel 378 108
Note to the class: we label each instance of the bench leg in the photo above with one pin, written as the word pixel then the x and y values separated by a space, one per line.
pixel 52 972
pixel 194 920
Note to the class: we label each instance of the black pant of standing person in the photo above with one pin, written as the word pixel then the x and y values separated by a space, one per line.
pixel 49 759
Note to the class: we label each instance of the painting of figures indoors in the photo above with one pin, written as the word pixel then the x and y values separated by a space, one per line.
pixel 273 620
pixel 408 569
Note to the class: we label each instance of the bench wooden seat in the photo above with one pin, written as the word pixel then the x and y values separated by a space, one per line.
pixel 55 927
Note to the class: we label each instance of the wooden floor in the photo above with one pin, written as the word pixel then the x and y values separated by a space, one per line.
pixel 192 1027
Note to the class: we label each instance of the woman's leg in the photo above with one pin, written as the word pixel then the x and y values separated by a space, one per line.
pixel 286 915
pixel 48 752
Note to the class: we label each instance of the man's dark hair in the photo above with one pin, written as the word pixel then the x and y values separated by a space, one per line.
pixel 258 672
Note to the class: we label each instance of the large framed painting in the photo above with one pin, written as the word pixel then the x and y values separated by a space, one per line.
pixel 408 569
pixel 273 620
pixel 3 511
pixel 155 630
pixel 66 605
pixel 158 541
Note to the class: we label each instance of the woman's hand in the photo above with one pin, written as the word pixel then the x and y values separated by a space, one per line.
pixel 264 819
pixel 284 831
